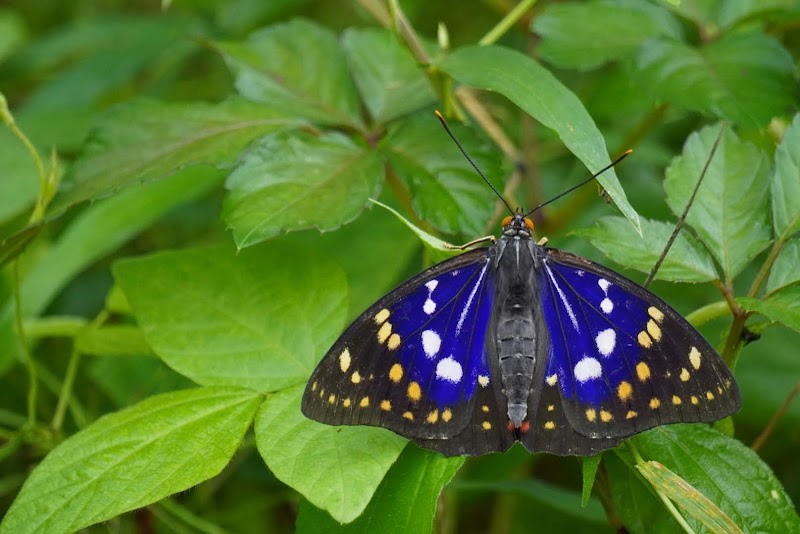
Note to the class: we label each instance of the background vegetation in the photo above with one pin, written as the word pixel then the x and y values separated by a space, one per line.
pixel 166 290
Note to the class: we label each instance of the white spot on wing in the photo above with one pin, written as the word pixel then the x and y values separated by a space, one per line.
pixel 607 306
pixel 588 369
pixel 450 370
pixel 603 283
pixel 563 298
pixel 431 342
pixel 469 300
pixel 431 285
pixel 429 307
pixel 605 341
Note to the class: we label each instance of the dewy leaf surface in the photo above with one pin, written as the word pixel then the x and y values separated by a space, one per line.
pixel 260 319
pixel 730 213
pixel 540 94
pixel 129 459
pixel 297 180
pixel 338 469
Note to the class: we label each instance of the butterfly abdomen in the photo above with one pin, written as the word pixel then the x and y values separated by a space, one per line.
pixel 517 336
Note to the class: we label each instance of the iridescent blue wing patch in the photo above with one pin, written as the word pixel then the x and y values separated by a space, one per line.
pixel 620 361
pixel 415 363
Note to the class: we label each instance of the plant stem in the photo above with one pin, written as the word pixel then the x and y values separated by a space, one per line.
pixel 66 388
pixel 708 313
pixel 507 22
pixel 33 383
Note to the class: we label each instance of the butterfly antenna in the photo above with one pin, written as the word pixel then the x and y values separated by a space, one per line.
pixel 592 177
pixel 474 166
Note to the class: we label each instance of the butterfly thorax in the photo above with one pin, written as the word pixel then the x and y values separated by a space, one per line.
pixel 519 339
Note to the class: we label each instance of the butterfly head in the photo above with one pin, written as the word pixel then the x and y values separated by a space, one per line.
pixel 517 225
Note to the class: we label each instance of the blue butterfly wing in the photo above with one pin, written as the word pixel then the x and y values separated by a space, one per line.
pixel 415 362
pixel 620 361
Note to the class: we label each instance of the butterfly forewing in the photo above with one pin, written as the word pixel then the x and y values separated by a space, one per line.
pixel 621 359
pixel 415 361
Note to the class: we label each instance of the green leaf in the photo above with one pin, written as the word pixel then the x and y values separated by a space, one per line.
pixel 12 32
pixel 726 472
pixel 732 12
pixel 147 140
pixel 589 468
pixel 20 182
pixel 783 306
pixel 687 498
pixel 338 469
pixel 298 68
pixel 95 232
pixel 784 271
pixel 112 340
pixel 585 35
pixel 534 89
pixel 446 191
pixel 731 211
pixel 687 260
pixel 786 183
pixel 389 79
pixel 293 181
pixel 431 241
pixel 728 77
pixel 404 502
pixel 132 458
pixel 259 319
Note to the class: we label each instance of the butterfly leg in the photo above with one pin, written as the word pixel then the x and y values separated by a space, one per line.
pixel 471 243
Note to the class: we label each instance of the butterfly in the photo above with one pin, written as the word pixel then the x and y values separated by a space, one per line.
pixel 518 341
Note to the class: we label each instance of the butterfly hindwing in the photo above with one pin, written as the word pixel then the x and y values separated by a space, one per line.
pixel 415 362
pixel 621 360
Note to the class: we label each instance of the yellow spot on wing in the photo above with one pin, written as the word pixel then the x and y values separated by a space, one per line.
pixel 631 414
pixel 414 392
pixel 483 380
pixel 709 395
pixel 655 313
pixel 408 415
pixel 719 390
pixel 356 378
pixel 314 386
pixel 484 408
pixel 384 331
pixel 433 416
pixel 381 316
pixel 346 403
pixel 676 400
pixel 591 415
pixel 644 339
pixel 654 330
pixel 447 415
pixel 550 407
pixel 552 380
pixel 605 416
pixel 396 373
pixel 642 371
pixel 550 425
pixel 332 399
pixel 695 400
pixel 394 342
pixel 654 403
pixel 694 357
pixel 344 360
pixel 386 405
pixel 684 375
pixel 624 391
pixel 487 425
pixel 364 402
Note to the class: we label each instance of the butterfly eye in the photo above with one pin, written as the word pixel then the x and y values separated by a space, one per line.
pixel 506 222
pixel 528 223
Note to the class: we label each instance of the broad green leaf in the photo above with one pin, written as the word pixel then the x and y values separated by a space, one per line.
pixel 404 502
pixel 338 469
pixel 730 213
pixel 687 498
pixel 589 469
pixel 260 319
pixel 98 229
pixel 687 260
pixel 130 379
pixel 585 35
pixel 20 180
pixel 298 68
pixel 112 340
pixel 783 306
pixel 726 472
pixel 537 92
pixel 728 77
pixel 296 180
pixel 148 140
pixel 784 271
pixel 446 191
pixel 786 183
pixel 12 32
pixel 390 81
pixel 132 458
